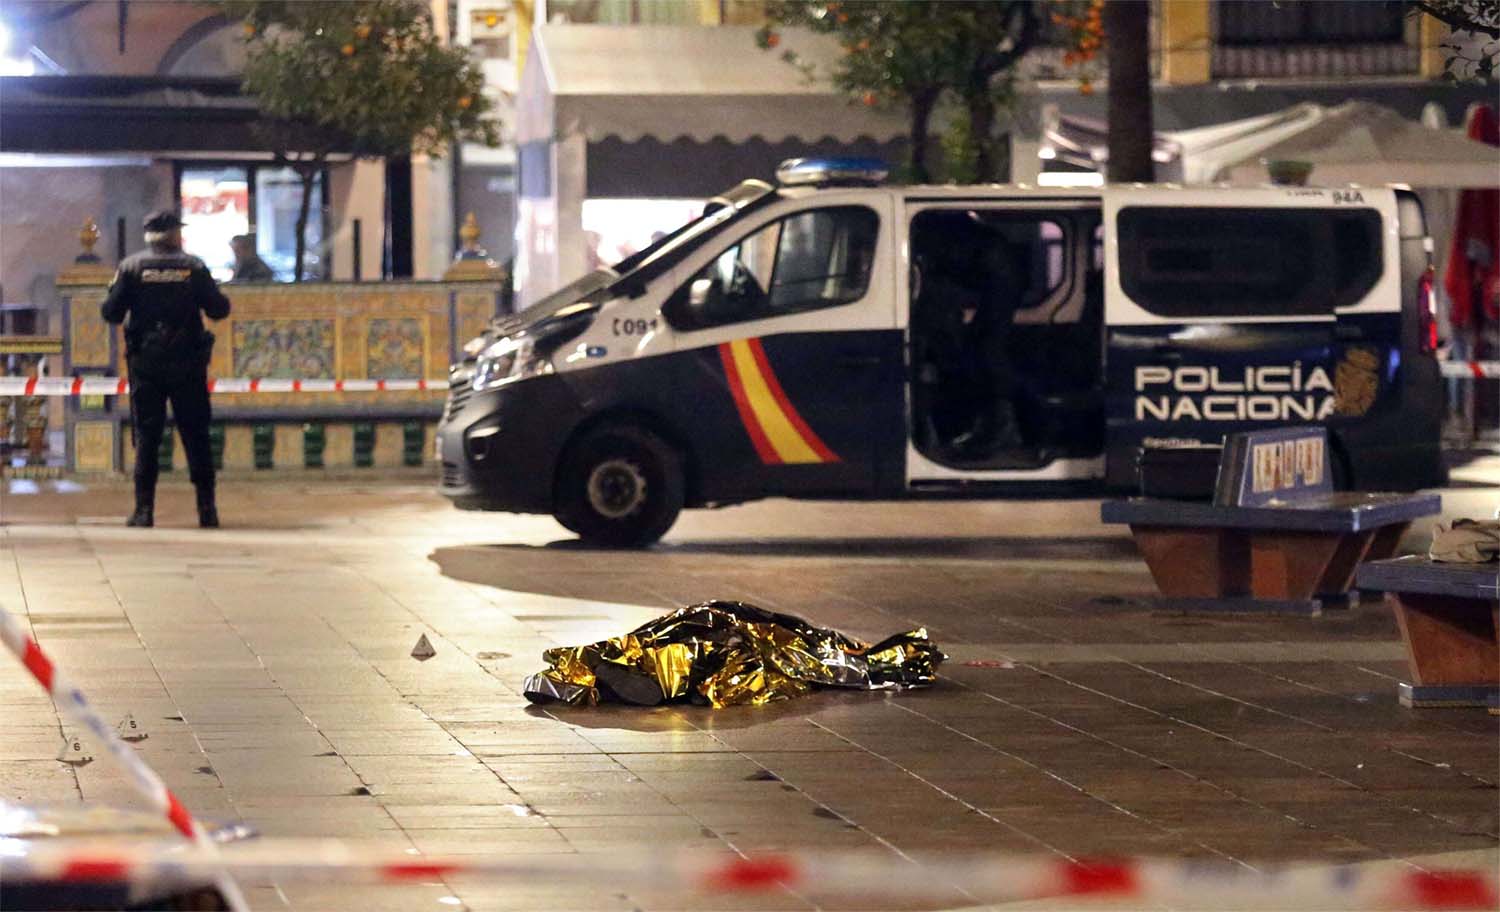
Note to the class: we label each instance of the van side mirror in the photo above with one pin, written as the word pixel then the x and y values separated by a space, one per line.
pixel 700 292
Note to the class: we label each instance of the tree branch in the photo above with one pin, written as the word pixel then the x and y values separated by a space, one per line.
pixel 1454 19
pixel 1023 37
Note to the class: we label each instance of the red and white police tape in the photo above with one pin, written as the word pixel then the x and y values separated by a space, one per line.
pixel 981 877
pixel 1478 370
pixel 75 706
pixel 119 386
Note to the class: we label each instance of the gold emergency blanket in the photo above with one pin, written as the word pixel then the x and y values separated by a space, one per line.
pixel 729 654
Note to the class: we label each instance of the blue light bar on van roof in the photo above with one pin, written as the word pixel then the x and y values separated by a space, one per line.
pixel 801 172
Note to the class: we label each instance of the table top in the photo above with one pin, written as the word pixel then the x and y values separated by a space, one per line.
pixel 1341 511
pixel 1423 575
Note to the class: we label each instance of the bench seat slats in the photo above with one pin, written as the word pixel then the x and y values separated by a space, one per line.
pixel 1428 577
pixel 1344 511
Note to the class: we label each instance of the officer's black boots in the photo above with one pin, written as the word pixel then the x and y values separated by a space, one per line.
pixel 145 502
pixel 144 515
pixel 208 514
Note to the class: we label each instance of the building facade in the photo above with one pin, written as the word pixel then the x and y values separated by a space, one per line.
pixel 113 109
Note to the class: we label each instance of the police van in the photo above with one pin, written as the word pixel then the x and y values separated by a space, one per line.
pixel 833 336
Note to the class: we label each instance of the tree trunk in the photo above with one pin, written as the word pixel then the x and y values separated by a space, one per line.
pixel 922 104
pixel 1127 36
pixel 308 175
pixel 981 127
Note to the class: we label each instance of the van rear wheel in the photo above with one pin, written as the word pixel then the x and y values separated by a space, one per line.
pixel 620 486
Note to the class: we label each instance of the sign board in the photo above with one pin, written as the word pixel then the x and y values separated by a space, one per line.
pixel 1261 467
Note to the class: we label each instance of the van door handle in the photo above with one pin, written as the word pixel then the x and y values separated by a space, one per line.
pixel 851 362
pixel 1347 333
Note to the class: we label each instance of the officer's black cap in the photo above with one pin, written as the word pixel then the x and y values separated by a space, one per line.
pixel 163 220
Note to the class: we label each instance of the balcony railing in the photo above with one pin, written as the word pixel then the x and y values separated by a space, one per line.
pixel 1301 38
pixel 1315 61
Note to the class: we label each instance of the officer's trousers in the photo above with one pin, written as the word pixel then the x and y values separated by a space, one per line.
pixel 188 393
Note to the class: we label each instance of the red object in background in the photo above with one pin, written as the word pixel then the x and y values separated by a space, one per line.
pixel 233 199
pixel 1427 316
pixel 1478 224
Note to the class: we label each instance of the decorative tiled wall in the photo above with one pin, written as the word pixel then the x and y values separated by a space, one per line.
pixel 324 330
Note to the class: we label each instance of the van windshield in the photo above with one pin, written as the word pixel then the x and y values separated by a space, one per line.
pixel 640 256
pixel 666 250
pixel 647 263
pixel 568 294
pixel 605 276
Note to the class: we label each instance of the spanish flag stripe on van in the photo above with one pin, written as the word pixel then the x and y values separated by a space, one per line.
pixel 792 415
pixel 779 433
pixel 747 417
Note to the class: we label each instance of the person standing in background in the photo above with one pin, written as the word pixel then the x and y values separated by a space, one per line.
pixel 248 266
pixel 164 292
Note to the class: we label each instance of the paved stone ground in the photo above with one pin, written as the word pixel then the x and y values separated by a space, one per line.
pixel 270 661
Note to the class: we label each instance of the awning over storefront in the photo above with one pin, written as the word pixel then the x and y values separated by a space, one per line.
pixel 126 114
pixel 673 82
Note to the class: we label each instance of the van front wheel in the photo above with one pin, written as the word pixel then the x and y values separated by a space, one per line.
pixel 620 487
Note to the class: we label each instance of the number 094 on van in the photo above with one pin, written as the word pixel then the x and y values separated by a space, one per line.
pixel 832 336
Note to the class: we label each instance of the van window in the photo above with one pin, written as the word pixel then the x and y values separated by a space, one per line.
pixel 1203 262
pixel 1020 256
pixel 810 260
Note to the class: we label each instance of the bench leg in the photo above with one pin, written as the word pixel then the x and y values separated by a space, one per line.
pixel 1449 640
pixel 1291 565
pixel 1353 550
pixel 1387 539
pixel 1195 563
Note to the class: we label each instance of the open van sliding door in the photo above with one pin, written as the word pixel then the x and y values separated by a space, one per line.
pixel 1003 304
pixel 1224 312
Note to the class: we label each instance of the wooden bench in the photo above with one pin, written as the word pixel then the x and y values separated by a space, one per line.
pixel 1449 616
pixel 1276 538
pixel 1293 556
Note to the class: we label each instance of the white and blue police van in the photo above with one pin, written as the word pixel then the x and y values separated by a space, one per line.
pixel 832 336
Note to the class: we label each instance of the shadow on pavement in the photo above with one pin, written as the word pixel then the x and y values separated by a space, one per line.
pixel 984 547
pixel 688 718
pixel 572 569
pixel 1462 484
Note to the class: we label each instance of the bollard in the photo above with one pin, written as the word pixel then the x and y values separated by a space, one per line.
pixel 364 444
pixel 164 452
pixel 263 439
pixel 314 439
pixel 216 444
pixel 413 443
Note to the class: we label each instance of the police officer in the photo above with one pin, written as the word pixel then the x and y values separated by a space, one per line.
pixel 163 291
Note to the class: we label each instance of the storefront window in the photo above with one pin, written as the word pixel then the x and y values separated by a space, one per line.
pixel 216 207
pixel 219 202
pixel 278 196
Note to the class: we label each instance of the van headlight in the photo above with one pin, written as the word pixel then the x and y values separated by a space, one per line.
pixel 508 359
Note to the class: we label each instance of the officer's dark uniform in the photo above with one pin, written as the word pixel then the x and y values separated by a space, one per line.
pixel 970 288
pixel 163 291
